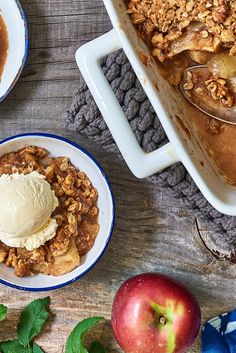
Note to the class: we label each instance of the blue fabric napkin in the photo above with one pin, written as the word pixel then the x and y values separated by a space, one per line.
pixel 219 334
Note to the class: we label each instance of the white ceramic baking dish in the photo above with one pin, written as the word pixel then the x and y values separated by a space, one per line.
pixel 167 102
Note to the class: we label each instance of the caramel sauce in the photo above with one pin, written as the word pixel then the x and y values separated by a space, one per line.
pixel 219 141
pixel 3 44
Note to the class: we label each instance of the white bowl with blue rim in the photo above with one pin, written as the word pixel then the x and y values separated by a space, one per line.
pixel 59 146
pixel 15 20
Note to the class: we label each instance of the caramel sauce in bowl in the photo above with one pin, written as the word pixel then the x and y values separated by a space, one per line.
pixel 13 44
pixel 3 44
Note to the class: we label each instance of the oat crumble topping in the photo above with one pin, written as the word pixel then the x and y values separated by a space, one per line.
pixel 162 22
pixel 215 88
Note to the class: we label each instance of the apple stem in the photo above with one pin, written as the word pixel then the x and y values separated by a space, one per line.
pixel 162 320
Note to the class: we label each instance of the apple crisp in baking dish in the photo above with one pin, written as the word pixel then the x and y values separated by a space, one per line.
pixel 194 44
pixel 75 213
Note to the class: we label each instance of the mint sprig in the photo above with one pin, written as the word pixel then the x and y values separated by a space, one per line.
pixel 75 342
pixel 16 347
pixel 36 349
pixel 31 322
pixel 13 347
pixel 97 347
pixel 32 319
pixel 3 312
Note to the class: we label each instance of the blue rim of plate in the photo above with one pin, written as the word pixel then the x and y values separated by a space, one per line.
pixel 23 16
pixel 76 145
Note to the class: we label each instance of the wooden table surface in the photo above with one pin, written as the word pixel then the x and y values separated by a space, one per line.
pixel 154 235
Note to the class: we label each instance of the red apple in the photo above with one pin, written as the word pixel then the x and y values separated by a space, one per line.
pixel 153 313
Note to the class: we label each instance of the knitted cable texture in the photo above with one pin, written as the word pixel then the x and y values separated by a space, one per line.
pixel 84 118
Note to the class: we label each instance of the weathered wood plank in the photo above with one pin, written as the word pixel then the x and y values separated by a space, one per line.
pixel 154 235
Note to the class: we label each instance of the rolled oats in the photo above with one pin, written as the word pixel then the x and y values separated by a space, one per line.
pixel 216 88
pixel 49 173
pixel 219 91
pixel 64 166
pixel 188 86
pixel 71 218
pixel 73 207
pixel 204 34
pixel 199 91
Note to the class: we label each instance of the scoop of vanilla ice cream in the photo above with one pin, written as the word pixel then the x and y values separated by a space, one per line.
pixel 26 206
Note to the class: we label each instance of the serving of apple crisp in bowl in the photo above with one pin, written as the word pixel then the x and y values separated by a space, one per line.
pixel 56 214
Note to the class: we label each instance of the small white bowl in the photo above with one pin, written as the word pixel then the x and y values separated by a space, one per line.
pixel 15 20
pixel 59 146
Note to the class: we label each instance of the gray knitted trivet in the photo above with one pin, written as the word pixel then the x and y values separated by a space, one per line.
pixel 85 118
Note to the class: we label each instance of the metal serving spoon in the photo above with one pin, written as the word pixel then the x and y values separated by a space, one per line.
pixel 198 93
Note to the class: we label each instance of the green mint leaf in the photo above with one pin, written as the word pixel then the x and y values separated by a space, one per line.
pixel 74 342
pixel 13 347
pixel 37 349
pixel 32 319
pixel 97 347
pixel 3 312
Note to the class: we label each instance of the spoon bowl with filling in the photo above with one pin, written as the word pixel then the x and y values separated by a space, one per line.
pixel 214 95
